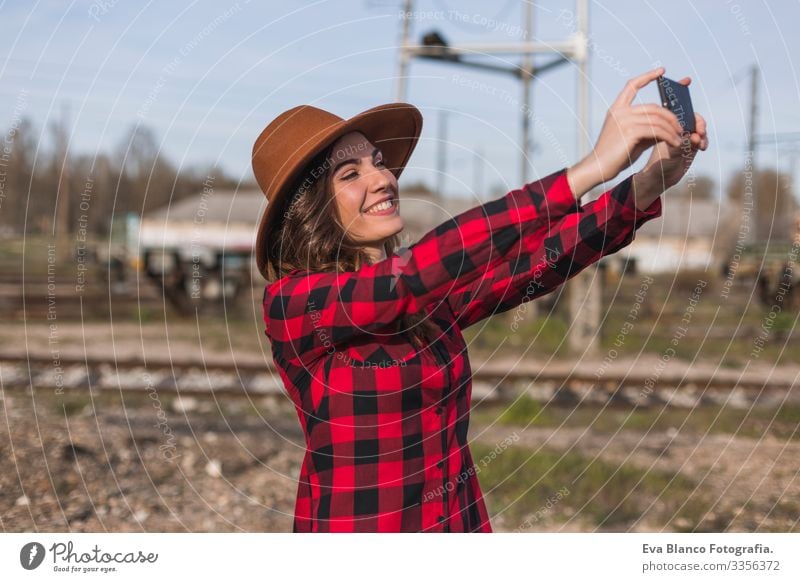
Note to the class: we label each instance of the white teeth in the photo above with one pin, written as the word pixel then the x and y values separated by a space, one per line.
pixel 379 207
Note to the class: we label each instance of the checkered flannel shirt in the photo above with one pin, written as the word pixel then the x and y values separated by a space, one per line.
pixel 386 424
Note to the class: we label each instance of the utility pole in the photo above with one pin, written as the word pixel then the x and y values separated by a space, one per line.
pixel 402 62
pixel 751 152
pixel 63 199
pixel 477 173
pixel 585 291
pixel 586 304
pixel 441 154
pixel 531 307
pixel 527 77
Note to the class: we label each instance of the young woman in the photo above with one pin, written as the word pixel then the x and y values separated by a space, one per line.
pixel 367 338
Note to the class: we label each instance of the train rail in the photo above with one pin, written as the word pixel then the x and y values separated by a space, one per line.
pixel 493 382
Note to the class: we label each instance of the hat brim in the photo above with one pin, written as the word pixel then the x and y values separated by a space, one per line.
pixel 394 127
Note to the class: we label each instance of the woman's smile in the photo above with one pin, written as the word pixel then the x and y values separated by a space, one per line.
pixel 384 208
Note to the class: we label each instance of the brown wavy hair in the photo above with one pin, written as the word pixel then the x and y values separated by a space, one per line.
pixel 312 237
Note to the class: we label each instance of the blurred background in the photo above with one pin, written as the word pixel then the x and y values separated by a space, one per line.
pixel 657 391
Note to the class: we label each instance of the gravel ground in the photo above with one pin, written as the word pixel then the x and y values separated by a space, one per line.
pixel 134 467
pixel 103 464
pixel 131 463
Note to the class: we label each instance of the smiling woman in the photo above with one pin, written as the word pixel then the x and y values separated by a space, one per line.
pixel 317 216
pixel 365 194
pixel 367 339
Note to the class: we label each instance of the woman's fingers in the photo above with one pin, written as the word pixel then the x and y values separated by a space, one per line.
pixel 665 127
pixel 699 141
pixel 630 129
pixel 702 142
pixel 650 114
pixel 651 110
pixel 657 132
pixel 633 85
pixel 700 124
pixel 699 138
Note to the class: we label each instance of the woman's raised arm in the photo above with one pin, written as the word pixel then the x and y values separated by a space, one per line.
pixel 554 253
pixel 569 244
pixel 309 314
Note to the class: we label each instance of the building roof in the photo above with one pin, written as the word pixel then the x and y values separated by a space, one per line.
pixel 225 206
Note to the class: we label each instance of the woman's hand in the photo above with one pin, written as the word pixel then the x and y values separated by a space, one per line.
pixel 667 165
pixel 628 130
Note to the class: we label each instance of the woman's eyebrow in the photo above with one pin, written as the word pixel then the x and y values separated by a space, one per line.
pixel 356 161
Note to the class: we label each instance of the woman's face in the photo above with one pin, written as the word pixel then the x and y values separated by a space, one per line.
pixel 361 184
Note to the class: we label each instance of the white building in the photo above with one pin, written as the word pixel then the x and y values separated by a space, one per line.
pixel 218 219
pixel 681 238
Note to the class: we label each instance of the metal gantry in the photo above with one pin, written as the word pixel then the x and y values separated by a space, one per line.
pixel 585 296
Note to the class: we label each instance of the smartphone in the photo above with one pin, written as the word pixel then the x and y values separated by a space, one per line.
pixel 675 97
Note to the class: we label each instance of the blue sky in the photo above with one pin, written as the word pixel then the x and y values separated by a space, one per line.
pixel 208 76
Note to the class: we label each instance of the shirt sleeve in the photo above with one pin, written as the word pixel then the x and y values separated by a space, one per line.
pixel 549 256
pixel 308 314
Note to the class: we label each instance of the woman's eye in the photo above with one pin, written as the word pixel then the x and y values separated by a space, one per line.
pixel 350 175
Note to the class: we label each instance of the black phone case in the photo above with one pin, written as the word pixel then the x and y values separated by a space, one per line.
pixel 675 97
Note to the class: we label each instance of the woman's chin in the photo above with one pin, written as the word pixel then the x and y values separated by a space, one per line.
pixel 389 226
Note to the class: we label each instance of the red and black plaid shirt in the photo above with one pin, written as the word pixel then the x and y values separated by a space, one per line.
pixel 386 424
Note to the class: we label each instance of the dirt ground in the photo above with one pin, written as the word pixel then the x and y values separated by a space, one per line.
pixel 80 463
pixel 129 463
pixel 131 466
pixel 754 483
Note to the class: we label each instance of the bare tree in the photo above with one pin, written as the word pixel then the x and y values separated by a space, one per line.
pixel 20 178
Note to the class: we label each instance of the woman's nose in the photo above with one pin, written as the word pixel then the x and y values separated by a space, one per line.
pixel 379 179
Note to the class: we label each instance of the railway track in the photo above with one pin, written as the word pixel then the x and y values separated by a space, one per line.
pixel 493 382
pixel 96 302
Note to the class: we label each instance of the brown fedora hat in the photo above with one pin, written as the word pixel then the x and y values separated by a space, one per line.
pixel 292 139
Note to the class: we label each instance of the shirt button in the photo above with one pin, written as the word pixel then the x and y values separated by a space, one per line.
pixel 440 464
pixel 439 410
pixel 440 519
